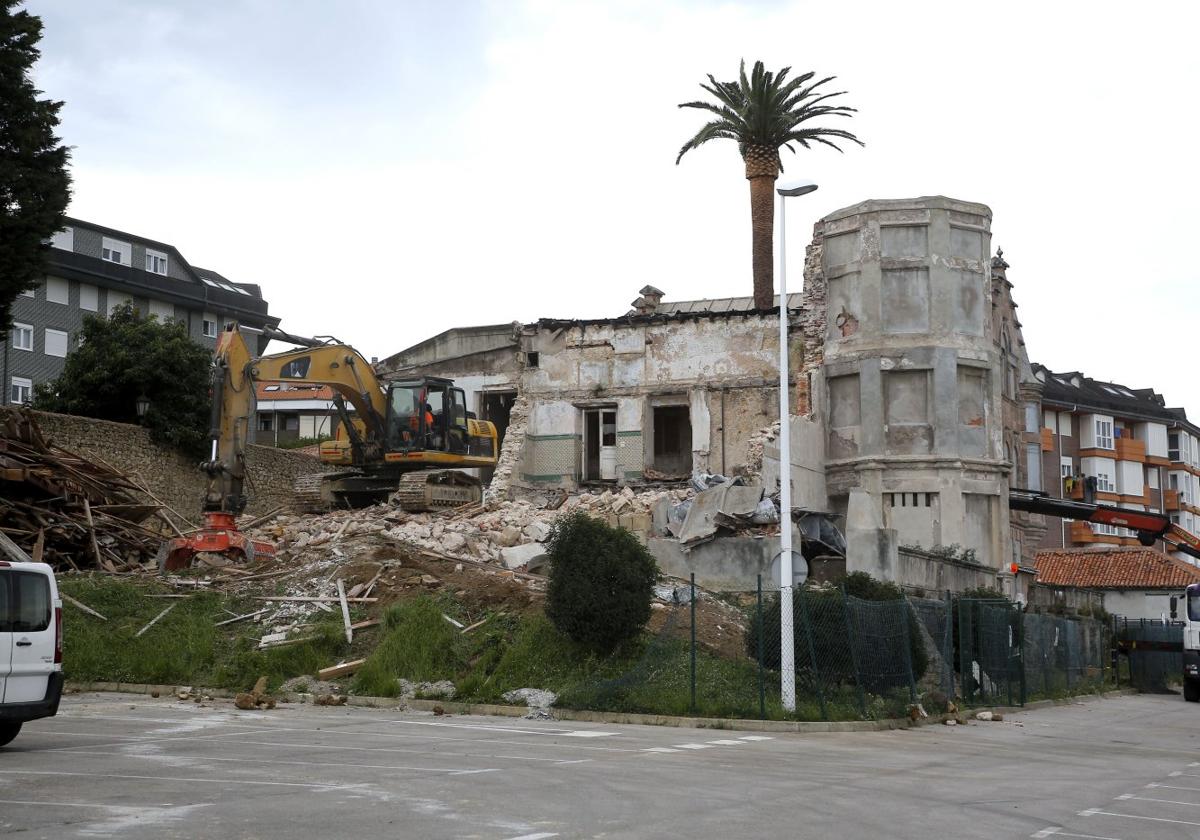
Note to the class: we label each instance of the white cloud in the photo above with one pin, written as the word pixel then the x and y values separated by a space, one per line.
pixel 386 171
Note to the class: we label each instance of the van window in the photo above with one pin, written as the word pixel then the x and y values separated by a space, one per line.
pixel 31 606
pixel 4 593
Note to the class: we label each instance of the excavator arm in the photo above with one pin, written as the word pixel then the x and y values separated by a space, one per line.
pixel 234 372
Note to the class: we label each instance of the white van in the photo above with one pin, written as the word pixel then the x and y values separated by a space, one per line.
pixel 31 679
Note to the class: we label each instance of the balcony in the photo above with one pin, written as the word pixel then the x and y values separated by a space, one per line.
pixel 1171 499
pixel 1131 449
pixel 1081 532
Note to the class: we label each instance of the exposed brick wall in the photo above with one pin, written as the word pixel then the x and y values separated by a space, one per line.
pixel 173 478
pixel 812 322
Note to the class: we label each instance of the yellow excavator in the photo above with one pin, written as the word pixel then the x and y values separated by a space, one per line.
pixel 410 437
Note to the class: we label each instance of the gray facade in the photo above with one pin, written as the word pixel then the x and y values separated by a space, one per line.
pixel 81 282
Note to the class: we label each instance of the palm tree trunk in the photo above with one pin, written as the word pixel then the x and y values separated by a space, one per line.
pixel 762 225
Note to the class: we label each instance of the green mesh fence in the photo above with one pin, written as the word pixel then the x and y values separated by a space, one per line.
pixel 1150 669
pixel 720 656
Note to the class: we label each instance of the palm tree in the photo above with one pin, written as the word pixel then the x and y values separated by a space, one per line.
pixel 764 113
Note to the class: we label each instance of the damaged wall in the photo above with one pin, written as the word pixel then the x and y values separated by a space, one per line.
pixel 913 415
pixel 687 392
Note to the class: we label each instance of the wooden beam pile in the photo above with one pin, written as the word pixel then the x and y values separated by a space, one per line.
pixel 67 510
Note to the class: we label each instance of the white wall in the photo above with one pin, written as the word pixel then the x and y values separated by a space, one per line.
pixel 1141 603
pixel 1130 478
pixel 1154 435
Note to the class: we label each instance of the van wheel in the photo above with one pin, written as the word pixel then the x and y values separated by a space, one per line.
pixel 1191 690
pixel 8 731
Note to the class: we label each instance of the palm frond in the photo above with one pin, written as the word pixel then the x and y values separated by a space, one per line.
pixel 763 108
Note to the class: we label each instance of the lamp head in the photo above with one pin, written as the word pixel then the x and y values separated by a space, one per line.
pixel 794 188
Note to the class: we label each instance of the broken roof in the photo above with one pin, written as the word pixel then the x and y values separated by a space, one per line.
pixel 1118 568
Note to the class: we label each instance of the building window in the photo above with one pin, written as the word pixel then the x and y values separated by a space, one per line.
pixel 1173 446
pixel 1033 464
pixel 264 422
pixel 58 290
pixel 1104 483
pixel 1104 434
pixel 115 251
pixel 209 327
pixel 56 343
pixel 89 297
pixel 22 336
pixel 20 390
pixel 1066 467
pixel 1152 477
pixel 914 500
pixel 1104 529
pixel 1031 417
pixel 156 262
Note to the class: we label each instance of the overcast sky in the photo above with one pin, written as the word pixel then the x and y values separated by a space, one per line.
pixel 387 170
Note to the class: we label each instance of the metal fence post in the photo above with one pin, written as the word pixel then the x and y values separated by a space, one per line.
pixel 812 652
pixel 912 683
pixel 1067 646
pixel 693 642
pixel 862 705
pixel 762 684
pixel 948 644
pixel 1021 651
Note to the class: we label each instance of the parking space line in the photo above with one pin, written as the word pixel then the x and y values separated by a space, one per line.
pixel 726 742
pixel 1164 801
pixel 1096 812
pixel 1056 831
pixel 273 761
pixel 317 785
pixel 756 738
pixel 539 836
pixel 693 746
pixel 1171 787
pixel 661 750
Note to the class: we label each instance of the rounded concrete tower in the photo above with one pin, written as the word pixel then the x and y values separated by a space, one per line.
pixel 914 428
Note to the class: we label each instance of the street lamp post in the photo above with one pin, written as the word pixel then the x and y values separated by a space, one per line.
pixel 787 652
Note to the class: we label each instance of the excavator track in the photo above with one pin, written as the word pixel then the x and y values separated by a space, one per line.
pixel 433 489
pixel 310 493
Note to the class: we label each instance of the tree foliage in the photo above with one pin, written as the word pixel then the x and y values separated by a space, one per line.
pixel 768 110
pixel 601 582
pixel 763 113
pixel 128 356
pixel 34 183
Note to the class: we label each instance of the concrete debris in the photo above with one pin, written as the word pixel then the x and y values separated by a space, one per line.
pixel 539 701
pixel 983 716
pixel 531 556
pixel 440 690
pixel 330 700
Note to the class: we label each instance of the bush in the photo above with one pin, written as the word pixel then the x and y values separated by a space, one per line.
pixel 601 582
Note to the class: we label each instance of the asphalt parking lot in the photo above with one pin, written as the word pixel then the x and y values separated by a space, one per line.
pixel 132 767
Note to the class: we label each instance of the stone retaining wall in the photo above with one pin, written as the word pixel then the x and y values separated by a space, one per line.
pixel 175 479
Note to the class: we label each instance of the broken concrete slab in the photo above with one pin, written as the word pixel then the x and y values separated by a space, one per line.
pixel 528 554
pixel 724 503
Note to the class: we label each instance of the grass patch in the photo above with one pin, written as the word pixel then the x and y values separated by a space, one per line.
pixel 185 646
pixel 418 645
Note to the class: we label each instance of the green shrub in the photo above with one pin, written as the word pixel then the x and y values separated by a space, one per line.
pixel 601 582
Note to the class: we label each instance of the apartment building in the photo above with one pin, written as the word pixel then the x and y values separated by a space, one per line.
pixel 94 269
pixel 1140 454
pixel 287 411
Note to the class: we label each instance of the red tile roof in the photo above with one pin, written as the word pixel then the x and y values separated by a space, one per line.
pixel 1118 568
pixel 293 392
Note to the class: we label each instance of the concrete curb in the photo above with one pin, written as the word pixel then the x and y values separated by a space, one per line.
pixel 494 710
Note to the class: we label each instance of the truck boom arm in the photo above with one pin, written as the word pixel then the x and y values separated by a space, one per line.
pixel 1150 527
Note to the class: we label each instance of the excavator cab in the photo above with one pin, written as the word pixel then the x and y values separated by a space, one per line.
pixel 426 415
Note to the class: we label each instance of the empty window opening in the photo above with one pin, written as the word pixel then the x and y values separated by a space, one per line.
pixel 672 431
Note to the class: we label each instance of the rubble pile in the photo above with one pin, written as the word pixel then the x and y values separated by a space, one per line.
pixel 66 510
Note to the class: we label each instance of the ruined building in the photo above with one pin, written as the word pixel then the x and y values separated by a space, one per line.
pixel 906 356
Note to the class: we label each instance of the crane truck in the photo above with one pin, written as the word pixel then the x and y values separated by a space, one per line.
pixel 1150 527
pixel 412 437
